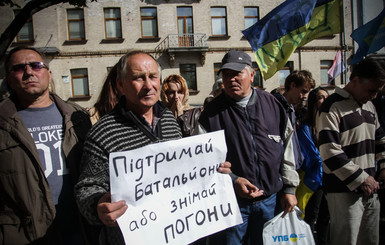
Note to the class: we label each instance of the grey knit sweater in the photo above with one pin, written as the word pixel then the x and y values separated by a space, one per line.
pixel 120 130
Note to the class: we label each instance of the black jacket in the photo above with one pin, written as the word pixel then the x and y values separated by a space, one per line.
pixel 258 139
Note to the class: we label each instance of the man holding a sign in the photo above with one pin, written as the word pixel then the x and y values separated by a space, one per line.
pixel 138 120
pixel 259 140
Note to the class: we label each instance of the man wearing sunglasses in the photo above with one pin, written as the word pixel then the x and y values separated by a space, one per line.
pixel 41 141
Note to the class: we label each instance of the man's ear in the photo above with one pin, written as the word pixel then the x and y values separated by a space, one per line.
pixel 292 85
pixel 355 79
pixel 252 74
pixel 50 75
pixel 354 82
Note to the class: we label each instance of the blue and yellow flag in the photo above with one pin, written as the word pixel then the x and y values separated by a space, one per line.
pixel 311 169
pixel 370 37
pixel 290 25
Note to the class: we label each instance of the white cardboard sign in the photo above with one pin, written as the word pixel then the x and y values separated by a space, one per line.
pixel 175 194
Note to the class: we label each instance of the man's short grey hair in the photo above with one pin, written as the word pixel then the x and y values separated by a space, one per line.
pixel 122 64
pixel 249 69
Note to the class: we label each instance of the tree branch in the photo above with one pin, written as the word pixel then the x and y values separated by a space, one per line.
pixel 31 8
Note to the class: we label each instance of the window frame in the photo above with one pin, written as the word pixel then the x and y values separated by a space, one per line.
pixel 29 22
pixel 250 16
pixel 217 67
pixel 219 17
pixel 185 19
pixel 326 67
pixel 257 75
pixel 184 71
pixel 76 20
pixel 79 76
pixel 112 19
pixel 288 66
pixel 155 18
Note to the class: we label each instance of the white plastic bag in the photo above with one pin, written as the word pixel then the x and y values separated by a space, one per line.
pixel 291 229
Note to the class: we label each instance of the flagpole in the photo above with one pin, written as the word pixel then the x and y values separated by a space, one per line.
pixel 344 43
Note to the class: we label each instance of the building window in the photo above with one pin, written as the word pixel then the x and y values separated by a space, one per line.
pixel 257 83
pixel 112 23
pixel 76 29
pixel 284 72
pixel 185 23
pixel 251 16
pixel 219 21
pixel 217 67
pixel 148 18
pixel 185 26
pixel 26 32
pixel 188 72
pixel 325 66
pixel 79 82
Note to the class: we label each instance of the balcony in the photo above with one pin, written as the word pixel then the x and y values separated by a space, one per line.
pixel 176 43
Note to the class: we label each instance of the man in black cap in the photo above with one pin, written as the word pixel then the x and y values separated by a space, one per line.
pixel 258 137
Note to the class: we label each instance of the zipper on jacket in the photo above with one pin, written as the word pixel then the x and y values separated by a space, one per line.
pixel 256 158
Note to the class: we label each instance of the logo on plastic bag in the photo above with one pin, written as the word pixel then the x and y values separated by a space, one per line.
pixel 294 237
pixel 284 238
pixel 290 229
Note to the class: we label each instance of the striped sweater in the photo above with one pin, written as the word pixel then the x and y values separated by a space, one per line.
pixel 120 130
pixel 351 141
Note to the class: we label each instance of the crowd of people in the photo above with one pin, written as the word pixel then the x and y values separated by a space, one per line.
pixel 296 147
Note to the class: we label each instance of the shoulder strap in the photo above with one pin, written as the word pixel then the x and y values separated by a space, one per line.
pixel 129 115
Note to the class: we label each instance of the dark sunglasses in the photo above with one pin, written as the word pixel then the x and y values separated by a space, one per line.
pixel 35 65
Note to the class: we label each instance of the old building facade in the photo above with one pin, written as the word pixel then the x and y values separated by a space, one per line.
pixel 188 37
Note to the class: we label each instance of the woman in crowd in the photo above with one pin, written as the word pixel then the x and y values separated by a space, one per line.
pixel 309 193
pixel 175 96
pixel 109 96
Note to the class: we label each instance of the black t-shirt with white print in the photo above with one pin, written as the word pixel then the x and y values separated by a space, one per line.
pixel 46 128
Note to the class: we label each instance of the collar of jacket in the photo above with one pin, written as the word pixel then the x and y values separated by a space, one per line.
pixel 10 105
pixel 252 100
pixel 7 108
pixel 138 120
pixel 342 92
pixel 288 107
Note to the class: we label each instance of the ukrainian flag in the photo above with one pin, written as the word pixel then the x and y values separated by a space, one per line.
pixel 290 25
pixel 311 169
pixel 370 37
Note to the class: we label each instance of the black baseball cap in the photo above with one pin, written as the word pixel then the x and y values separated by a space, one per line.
pixel 235 60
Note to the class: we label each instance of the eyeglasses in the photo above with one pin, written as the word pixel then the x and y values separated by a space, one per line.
pixel 35 65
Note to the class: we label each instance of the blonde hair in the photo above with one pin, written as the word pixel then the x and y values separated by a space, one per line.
pixel 178 79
